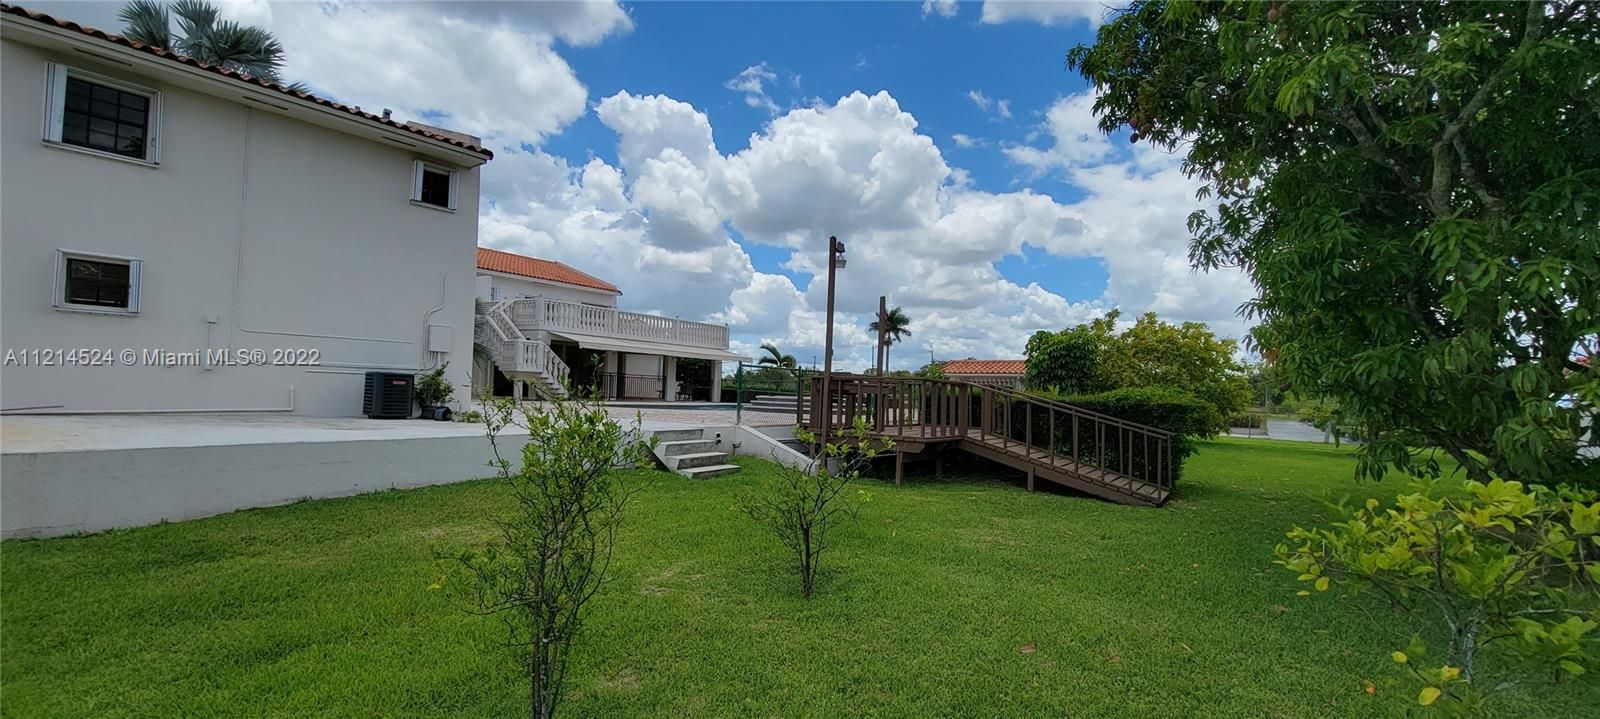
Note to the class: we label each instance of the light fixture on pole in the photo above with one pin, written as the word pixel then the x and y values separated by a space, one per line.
pixel 835 263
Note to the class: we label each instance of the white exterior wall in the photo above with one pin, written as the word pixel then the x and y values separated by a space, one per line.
pixel 57 493
pixel 289 235
pixel 644 364
pixel 507 287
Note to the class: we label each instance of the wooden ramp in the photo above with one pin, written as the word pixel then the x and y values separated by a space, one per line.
pixel 1069 446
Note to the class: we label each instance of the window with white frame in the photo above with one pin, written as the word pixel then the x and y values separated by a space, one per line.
pixel 97 283
pixel 102 115
pixel 433 185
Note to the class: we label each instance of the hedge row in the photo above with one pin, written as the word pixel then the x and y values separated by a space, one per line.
pixel 1173 410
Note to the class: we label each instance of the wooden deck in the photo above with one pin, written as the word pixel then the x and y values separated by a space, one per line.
pixel 1067 446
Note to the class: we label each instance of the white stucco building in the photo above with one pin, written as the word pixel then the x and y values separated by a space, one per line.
pixel 554 327
pixel 201 221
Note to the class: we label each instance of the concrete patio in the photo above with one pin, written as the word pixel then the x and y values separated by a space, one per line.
pixel 64 474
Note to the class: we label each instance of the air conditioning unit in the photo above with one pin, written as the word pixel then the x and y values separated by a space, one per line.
pixel 388 395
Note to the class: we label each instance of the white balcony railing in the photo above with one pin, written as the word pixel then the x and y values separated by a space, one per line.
pixel 540 313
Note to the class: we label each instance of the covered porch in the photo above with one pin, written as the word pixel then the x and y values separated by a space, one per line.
pixel 619 355
pixel 633 375
pixel 617 375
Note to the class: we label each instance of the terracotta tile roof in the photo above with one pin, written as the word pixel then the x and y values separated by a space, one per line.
pixel 990 366
pixel 547 270
pixel 454 139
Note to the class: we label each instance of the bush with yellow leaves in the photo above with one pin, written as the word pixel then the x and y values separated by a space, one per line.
pixel 1507 577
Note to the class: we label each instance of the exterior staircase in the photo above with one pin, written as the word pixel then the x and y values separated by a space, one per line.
pixel 786 403
pixel 523 358
pixel 690 453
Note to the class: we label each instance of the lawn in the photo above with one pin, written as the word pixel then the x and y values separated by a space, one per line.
pixel 323 609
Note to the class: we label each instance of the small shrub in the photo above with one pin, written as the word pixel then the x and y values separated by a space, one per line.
pixel 1505 576
pixel 553 546
pixel 804 504
pixel 1248 420
pixel 471 416
pixel 432 389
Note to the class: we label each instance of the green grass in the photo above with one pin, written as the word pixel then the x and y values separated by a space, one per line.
pixel 322 609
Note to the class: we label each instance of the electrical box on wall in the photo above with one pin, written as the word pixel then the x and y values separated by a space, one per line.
pixel 440 338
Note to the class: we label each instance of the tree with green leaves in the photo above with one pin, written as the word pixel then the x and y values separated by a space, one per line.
pixel 204 36
pixel 895 326
pixel 776 357
pixel 1414 189
pixel 1187 356
pixel 1094 357
pixel 1067 362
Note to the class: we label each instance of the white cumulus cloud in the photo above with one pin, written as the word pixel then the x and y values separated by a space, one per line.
pixel 1044 12
pixel 751 81
pixel 487 70
pixel 942 8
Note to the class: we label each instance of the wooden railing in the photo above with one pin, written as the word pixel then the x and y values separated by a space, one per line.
pixel 541 313
pixel 1059 435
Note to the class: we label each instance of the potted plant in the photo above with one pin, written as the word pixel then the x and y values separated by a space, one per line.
pixel 432 392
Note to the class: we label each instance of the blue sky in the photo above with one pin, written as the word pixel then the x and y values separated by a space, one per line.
pixel 930 63
pixel 698 155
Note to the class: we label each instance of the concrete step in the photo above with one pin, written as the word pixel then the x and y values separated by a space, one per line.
pixel 678 435
pixel 709 471
pixel 686 446
pixel 698 459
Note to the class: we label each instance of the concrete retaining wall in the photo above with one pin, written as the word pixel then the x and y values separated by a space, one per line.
pixel 54 493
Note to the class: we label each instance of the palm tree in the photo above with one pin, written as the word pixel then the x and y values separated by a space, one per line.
pixel 894 329
pixel 223 43
pixel 776 358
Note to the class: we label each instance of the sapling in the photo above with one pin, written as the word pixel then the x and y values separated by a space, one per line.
pixel 553 547
pixel 804 504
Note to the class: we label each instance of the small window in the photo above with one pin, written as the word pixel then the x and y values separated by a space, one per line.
pixel 433 185
pixel 97 283
pixel 102 115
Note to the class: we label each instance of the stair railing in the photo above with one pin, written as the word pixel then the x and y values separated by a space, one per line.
pixel 522 354
pixel 1041 430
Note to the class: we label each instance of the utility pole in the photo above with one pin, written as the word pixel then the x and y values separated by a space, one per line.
pixel 835 263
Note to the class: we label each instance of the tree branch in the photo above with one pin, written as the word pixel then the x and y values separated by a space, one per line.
pixel 1443 172
pixel 1364 138
pixel 1470 176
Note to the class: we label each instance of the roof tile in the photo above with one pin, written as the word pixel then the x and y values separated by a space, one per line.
pixel 430 133
pixel 988 366
pixel 547 270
